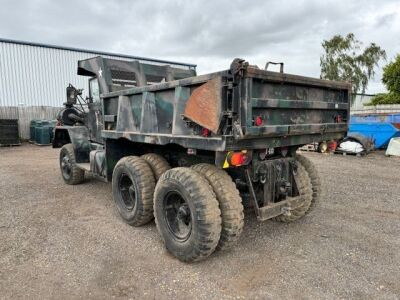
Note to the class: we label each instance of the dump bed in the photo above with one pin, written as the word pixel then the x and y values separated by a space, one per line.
pixel 278 105
pixel 241 108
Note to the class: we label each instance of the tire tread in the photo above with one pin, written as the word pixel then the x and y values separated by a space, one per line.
pixel 157 163
pixel 305 191
pixel 77 174
pixel 315 180
pixel 207 212
pixel 230 203
pixel 146 184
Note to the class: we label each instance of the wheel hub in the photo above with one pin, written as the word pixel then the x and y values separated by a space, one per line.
pixel 183 213
pixel 177 216
pixel 66 166
pixel 127 191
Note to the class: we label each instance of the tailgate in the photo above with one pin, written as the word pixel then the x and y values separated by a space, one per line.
pixel 279 104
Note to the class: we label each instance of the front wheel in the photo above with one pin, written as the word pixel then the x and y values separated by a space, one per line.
pixel 69 170
pixel 187 214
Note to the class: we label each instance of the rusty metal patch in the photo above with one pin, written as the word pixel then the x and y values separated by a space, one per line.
pixel 204 105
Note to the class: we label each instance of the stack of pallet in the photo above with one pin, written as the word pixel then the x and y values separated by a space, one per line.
pixel 9 133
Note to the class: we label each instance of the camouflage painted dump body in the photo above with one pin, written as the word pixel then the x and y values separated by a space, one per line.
pixel 114 75
pixel 111 73
pixel 142 107
pixel 294 110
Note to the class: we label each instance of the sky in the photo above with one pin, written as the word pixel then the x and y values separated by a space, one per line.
pixel 208 33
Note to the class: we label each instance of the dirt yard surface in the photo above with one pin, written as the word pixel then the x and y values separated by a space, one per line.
pixel 59 241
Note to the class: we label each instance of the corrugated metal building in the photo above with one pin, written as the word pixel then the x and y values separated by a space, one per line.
pixel 33 78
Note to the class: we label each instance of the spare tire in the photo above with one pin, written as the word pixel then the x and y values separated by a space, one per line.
pixel 305 191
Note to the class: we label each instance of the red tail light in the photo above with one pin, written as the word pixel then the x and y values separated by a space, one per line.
pixel 205 132
pixel 258 121
pixel 237 158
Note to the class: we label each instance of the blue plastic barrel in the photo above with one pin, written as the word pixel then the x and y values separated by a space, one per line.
pixel 41 131
pixel 42 135
pixel 32 130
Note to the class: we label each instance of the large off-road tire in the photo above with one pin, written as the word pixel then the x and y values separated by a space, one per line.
pixel 187 214
pixel 157 163
pixel 69 170
pixel 315 179
pixel 230 203
pixel 133 186
pixel 305 191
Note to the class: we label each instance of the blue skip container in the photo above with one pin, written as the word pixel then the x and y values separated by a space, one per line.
pixel 378 127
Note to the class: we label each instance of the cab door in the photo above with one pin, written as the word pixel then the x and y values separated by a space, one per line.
pixel 95 114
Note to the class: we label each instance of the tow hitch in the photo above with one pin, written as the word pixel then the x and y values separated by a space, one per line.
pixel 276 190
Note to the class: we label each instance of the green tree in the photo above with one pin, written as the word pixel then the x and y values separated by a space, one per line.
pixel 391 78
pixel 344 59
pixel 391 75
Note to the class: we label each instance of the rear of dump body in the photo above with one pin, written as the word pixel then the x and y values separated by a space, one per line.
pixel 245 108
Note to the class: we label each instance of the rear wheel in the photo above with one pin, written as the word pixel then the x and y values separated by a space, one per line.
pixel 305 192
pixel 69 170
pixel 230 203
pixel 187 214
pixel 315 180
pixel 157 163
pixel 133 188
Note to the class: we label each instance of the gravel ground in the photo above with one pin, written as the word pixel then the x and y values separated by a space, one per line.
pixel 60 241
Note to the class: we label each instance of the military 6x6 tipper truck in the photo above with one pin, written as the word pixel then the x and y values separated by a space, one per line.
pixel 191 151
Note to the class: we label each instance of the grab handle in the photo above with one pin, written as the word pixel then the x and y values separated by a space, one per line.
pixel 274 63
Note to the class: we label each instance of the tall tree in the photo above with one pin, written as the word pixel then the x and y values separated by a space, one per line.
pixel 344 59
pixel 391 75
pixel 391 78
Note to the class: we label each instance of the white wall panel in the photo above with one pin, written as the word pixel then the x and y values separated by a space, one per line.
pixel 37 74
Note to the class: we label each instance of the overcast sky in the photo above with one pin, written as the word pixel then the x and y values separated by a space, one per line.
pixel 207 33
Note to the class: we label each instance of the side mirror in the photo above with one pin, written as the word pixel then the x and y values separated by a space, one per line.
pixel 72 94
